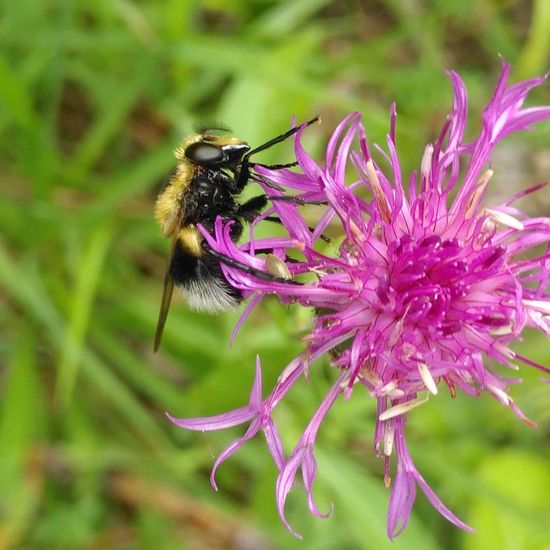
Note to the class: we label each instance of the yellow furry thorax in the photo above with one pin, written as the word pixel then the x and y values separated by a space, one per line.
pixel 168 203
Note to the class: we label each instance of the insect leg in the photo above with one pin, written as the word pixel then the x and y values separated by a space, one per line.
pixel 296 200
pixel 275 166
pixel 258 273
pixel 244 172
pixel 275 219
pixel 268 183
pixel 251 209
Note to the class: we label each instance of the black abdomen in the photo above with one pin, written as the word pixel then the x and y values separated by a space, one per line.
pixel 202 282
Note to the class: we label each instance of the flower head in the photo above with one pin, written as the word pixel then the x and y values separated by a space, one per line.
pixel 428 288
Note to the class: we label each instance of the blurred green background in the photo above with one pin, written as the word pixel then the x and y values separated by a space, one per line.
pixel 93 101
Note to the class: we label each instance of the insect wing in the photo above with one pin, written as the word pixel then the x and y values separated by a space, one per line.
pixel 168 288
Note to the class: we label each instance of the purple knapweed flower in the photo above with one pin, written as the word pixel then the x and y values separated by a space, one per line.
pixel 428 287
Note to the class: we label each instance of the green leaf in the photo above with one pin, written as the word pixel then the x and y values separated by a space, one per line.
pixel 22 418
pixel 361 503
pixel 84 291
pixel 511 508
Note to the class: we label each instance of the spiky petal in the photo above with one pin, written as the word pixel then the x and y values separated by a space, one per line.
pixel 428 287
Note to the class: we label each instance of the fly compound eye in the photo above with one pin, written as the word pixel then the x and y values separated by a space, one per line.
pixel 205 153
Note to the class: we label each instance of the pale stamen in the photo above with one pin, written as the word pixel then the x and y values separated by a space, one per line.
pixel 398 328
pixel 475 197
pixel 512 366
pixel 389 436
pixel 503 218
pixel 488 226
pixel 501 395
pixel 501 331
pixel 402 408
pixel 426 164
pixel 391 390
pixel 538 304
pixel 396 332
pixel 357 233
pixel 383 206
pixel 427 378
pixel 505 350
pixel 369 376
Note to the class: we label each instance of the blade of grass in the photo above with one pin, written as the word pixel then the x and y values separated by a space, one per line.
pixel 117 106
pixel 535 54
pixel 286 17
pixel 146 380
pixel 116 189
pixel 363 501
pixel 15 98
pixel 21 415
pixel 27 289
pixel 85 289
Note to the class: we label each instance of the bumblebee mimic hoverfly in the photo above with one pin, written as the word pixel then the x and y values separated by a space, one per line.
pixel 211 171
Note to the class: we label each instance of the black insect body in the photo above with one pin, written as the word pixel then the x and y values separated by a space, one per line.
pixel 211 172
